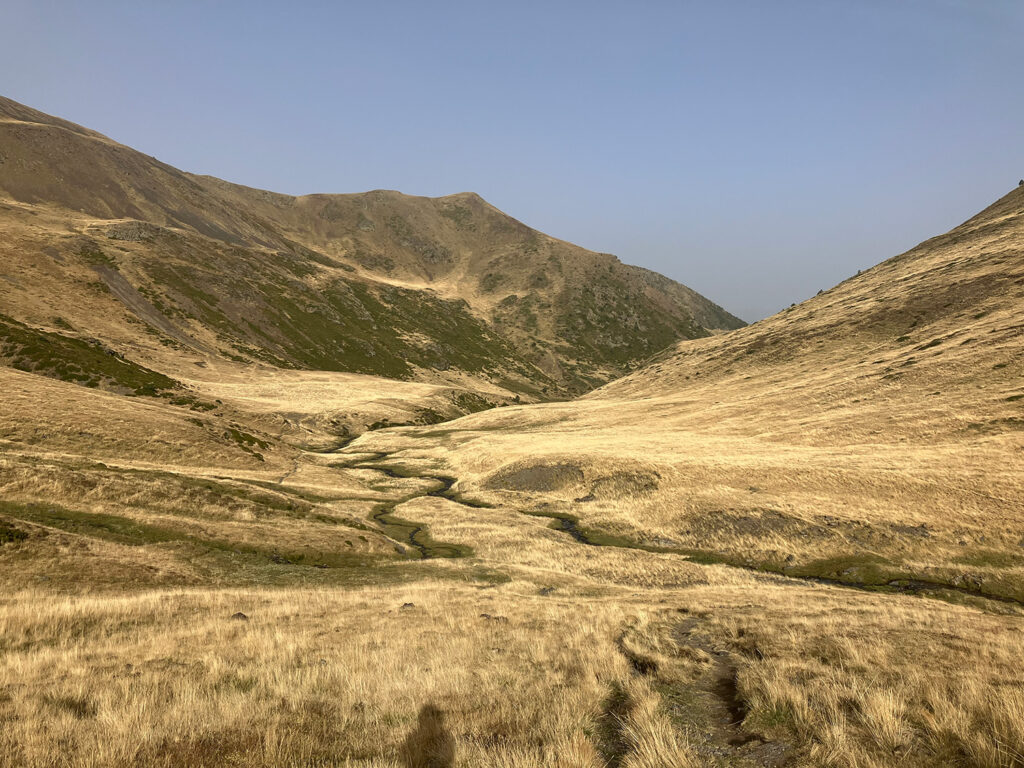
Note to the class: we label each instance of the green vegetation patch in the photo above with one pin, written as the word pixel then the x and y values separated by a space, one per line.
pixel 609 322
pixel 193 403
pixel 418 536
pixel 863 570
pixel 991 558
pixel 93 256
pixel 561 521
pixel 431 251
pixel 114 528
pixel 81 362
pixel 429 416
pixel 491 281
pixel 132 533
pixel 459 215
pixel 245 439
pixel 268 497
pixel 470 402
pixel 346 325
pixel 11 535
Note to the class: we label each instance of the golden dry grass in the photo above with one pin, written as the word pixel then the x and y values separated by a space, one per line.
pixel 871 435
pixel 339 677
pixel 139 674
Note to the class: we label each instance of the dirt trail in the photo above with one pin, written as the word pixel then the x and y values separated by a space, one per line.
pixel 708 709
pixel 611 741
pixel 713 709
pixel 727 705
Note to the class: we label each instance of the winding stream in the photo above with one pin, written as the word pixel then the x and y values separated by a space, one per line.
pixel 418 537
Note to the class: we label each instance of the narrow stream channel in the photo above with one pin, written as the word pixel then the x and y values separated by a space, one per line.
pixel 417 536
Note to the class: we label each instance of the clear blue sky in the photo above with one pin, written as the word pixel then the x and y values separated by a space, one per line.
pixel 756 151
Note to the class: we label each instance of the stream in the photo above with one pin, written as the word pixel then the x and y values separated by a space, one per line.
pixel 417 536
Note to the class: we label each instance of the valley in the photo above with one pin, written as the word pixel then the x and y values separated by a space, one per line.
pixel 354 480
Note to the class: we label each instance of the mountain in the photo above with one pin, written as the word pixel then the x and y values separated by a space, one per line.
pixel 170 269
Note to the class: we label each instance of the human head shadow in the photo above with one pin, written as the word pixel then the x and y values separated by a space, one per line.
pixel 430 745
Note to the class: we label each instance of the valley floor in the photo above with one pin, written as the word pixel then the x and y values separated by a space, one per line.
pixel 356 608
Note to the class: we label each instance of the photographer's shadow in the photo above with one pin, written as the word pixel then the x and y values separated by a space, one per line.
pixel 430 745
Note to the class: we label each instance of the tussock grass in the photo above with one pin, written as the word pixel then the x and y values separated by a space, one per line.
pixel 318 677
pixel 169 677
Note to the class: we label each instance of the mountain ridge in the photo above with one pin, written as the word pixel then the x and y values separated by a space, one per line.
pixel 571 319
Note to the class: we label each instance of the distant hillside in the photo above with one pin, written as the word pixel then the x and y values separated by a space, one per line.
pixel 448 290
pixel 944 317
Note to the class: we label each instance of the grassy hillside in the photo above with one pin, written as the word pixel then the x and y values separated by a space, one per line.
pixel 170 599
pixel 70 359
pixel 380 282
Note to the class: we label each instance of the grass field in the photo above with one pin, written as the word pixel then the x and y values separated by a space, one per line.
pixel 125 563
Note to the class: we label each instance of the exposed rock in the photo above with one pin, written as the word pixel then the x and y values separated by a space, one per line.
pixel 913 530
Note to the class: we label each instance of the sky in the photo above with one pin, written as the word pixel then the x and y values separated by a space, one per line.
pixel 755 151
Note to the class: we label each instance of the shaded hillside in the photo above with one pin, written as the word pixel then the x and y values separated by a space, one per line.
pixel 379 282
pixel 580 316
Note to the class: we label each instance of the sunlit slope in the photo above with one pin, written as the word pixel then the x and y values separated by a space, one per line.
pixel 870 433
pixel 936 330
pixel 380 282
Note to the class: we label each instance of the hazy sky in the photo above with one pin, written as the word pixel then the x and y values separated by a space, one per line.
pixel 756 151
